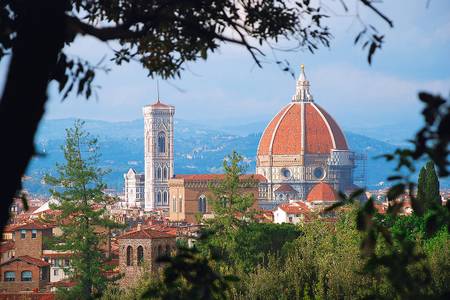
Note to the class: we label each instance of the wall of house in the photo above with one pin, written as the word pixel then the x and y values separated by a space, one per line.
pixel 30 246
pixel 18 285
pixel 189 194
pixel 279 216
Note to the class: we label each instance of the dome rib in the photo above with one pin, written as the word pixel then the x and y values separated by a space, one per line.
pixel 337 133
pixel 266 138
pixel 333 139
pixel 285 142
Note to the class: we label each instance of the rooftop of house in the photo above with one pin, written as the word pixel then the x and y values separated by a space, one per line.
pixel 295 208
pixel 27 259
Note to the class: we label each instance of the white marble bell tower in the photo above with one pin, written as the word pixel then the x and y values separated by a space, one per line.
pixel 158 134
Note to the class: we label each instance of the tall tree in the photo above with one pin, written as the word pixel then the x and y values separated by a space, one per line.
pixel 428 187
pixel 161 34
pixel 232 208
pixel 85 225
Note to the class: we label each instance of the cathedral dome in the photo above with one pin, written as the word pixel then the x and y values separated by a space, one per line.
pixel 302 127
pixel 322 192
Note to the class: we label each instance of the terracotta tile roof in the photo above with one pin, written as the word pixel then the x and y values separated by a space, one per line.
pixel 28 259
pixel 218 177
pixel 322 192
pixel 318 137
pixel 266 139
pixel 6 246
pixel 341 142
pixel 295 208
pixel 288 135
pixel 159 104
pixel 10 227
pixel 283 135
pixel 34 225
pixel 285 188
pixel 146 233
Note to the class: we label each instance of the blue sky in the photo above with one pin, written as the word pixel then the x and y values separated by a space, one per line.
pixel 229 88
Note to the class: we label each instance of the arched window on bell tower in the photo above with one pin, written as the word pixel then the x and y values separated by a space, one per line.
pixel 165 198
pixel 158 197
pixel 159 173
pixel 161 142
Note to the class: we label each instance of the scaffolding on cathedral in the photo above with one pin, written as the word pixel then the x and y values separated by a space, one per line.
pixel 359 172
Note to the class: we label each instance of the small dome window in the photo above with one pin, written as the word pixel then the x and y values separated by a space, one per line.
pixel 286 173
pixel 319 173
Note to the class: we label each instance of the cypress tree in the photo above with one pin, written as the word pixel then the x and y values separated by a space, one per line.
pixel 428 187
pixel 83 218
pixel 433 195
pixel 421 186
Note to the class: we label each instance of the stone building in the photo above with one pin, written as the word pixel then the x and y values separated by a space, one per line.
pixel 190 194
pixel 139 249
pixel 134 189
pixel 24 273
pixel 7 250
pixel 158 151
pixel 303 146
pixel 29 239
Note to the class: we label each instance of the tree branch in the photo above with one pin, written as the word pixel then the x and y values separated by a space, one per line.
pixel 368 3
pixel 104 33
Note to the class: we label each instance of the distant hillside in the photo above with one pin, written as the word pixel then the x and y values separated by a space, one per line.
pixel 198 149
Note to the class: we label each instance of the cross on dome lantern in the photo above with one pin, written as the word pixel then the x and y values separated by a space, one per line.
pixel 302 92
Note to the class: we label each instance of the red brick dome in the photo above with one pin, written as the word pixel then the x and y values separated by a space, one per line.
pixel 301 127
pixel 322 192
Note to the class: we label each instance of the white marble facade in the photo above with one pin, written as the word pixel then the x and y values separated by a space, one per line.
pixel 159 154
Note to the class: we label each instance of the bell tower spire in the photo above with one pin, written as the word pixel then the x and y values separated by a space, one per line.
pixel 302 92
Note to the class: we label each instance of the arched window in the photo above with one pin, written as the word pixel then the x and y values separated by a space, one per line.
pixel 202 204
pixel 161 142
pixel 160 251
pixel 180 204
pixel 129 256
pixel 10 276
pixel 167 250
pixel 158 198
pixel 165 173
pixel 165 199
pixel 140 255
pixel 159 173
pixel 26 276
pixel 174 204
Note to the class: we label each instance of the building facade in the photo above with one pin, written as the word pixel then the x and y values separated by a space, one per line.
pixel 29 239
pixel 191 194
pixel 134 189
pixel 301 147
pixel 158 151
pixel 24 273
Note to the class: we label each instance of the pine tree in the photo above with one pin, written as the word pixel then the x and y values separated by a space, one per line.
pixel 83 217
pixel 428 187
pixel 231 207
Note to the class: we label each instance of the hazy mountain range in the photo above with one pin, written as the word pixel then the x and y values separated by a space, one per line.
pixel 198 149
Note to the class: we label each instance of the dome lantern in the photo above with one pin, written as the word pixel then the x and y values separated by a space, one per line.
pixel 302 92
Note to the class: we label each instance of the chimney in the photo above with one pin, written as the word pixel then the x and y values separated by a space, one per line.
pixel 139 226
